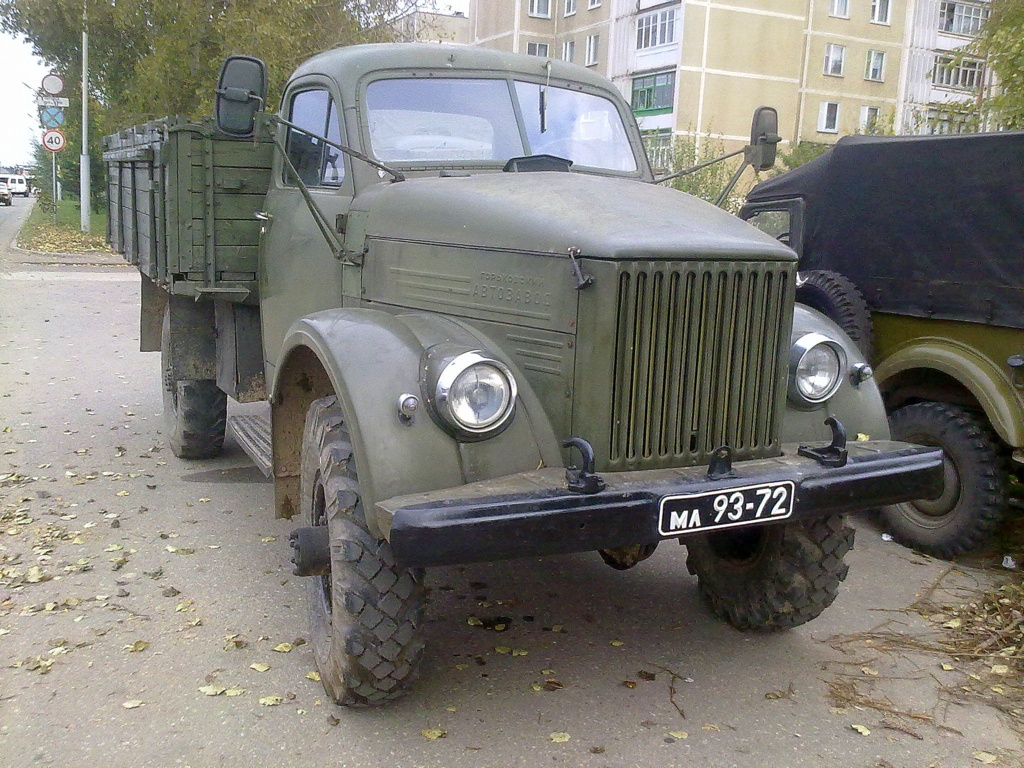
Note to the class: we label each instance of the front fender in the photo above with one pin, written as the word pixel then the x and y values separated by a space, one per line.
pixel 859 408
pixel 370 358
pixel 1003 406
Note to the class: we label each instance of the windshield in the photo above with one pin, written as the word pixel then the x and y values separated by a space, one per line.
pixel 468 121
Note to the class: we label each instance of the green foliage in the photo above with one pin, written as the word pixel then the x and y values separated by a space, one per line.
pixel 1001 43
pixel 800 153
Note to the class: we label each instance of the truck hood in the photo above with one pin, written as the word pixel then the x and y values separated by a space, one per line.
pixel 550 212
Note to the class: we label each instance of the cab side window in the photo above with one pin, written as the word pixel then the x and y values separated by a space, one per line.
pixel 318 164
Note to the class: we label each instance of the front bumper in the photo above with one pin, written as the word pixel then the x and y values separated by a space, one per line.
pixel 532 513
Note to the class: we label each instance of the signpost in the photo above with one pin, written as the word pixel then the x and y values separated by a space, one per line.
pixel 51 116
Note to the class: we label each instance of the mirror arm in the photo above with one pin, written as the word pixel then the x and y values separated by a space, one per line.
pixel 318 215
pixel 699 166
pixel 732 182
pixel 396 175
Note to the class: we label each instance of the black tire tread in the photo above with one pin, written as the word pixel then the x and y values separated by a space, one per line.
pixel 984 502
pixel 375 648
pixel 796 578
pixel 836 296
pixel 200 418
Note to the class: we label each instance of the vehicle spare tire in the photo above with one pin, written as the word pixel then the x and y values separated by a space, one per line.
pixel 836 297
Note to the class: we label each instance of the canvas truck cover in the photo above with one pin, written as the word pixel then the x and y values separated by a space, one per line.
pixel 926 226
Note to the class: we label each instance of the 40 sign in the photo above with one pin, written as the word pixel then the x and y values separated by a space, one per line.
pixel 54 140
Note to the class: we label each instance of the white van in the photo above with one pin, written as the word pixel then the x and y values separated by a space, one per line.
pixel 18 185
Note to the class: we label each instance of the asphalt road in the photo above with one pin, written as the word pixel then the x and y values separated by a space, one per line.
pixel 129 580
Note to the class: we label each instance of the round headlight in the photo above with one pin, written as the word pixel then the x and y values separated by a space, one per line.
pixel 476 393
pixel 816 368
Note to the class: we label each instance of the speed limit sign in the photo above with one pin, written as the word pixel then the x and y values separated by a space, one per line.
pixel 54 140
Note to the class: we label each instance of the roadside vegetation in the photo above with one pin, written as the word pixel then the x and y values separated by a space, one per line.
pixel 62 233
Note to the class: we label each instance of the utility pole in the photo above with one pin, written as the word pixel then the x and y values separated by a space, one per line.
pixel 86 192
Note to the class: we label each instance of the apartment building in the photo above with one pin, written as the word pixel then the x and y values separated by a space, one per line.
pixel 433 27
pixel 941 86
pixel 698 68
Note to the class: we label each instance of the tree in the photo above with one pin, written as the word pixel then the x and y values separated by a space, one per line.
pixel 1001 44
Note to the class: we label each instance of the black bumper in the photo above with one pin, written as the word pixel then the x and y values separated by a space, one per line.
pixel 533 514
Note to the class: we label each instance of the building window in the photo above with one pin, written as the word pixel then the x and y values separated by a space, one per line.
pixel 537 49
pixel 654 93
pixel 570 7
pixel 569 50
pixel 880 11
pixel 961 18
pixel 318 164
pixel 828 117
pixel 834 55
pixel 875 68
pixel 593 4
pixel 840 9
pixel 659 149
pixel 654 29
pixel 868 119
pixel 961 75
pixel 943 120
pixel 541 8
pixel 593 41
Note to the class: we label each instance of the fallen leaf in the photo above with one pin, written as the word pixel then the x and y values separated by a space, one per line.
pixel 648 676
pixel 473 621
pixel 984 757
pixel 711 727
pixel 204 500
pixel 559 737
pixel 617 643
pixel 268 539
pixel 519 652
pixel 948 667
pixel 869 671
pixel 553 685
pixel 952 624
pixel 137 647
pixel 679 734
pixel 502 649
pixel 132 704
pixel 234 691
pixel 861 729
pixel 433 734
pixel 314 676
pixel 259 666
pixel 547 671
pixel 1000 669
pixel 629 683
pixel 212 690
pixel 283 647
pixel 270 701
pixel 537 686
pixel 123 493
pixel 234 641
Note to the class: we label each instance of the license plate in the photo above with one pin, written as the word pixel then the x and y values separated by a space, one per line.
pixel 726 508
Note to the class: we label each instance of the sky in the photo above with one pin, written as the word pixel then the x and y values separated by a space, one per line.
pixel 19 125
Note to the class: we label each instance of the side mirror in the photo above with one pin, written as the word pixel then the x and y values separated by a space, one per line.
pixel 764 138
pixel 241 93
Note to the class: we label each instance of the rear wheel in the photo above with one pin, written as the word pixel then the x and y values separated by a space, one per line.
pixel 365 616
pixel 972 503
pixel 772 577
pixel 836 297
pixel 195 410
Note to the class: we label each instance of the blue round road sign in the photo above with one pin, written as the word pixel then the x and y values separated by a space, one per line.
pixel 51 117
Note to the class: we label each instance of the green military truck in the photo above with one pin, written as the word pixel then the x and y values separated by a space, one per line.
pixel 927 235
pixel 485 333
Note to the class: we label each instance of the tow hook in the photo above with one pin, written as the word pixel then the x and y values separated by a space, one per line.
pixel 833 455
pixel 582 480
pixel 311 547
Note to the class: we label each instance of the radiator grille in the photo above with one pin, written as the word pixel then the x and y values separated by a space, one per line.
pixel 697 361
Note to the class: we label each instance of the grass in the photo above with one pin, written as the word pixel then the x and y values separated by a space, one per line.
pixel 42 233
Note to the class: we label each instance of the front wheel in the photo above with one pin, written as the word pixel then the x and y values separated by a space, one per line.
pixel 195 410
pixel 771 577
pixel 366 615
pixel 972 503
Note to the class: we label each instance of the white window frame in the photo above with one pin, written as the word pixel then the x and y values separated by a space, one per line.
pixel 823 117
pixel 839 9
pixel 570 8
pixel 593 49
pixel 869 67
pixel 965 19
pixel 593 4
pixel 869 116
pixel 968 75
pixel 835 60
pixel 537 50
pixel 656 29
pixel 881 11
pixel 568 50
pixel 540 9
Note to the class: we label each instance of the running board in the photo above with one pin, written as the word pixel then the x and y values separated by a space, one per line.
pixel 252 432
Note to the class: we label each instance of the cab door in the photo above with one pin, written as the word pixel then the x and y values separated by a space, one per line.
pixel 782 219
pixel 299 272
